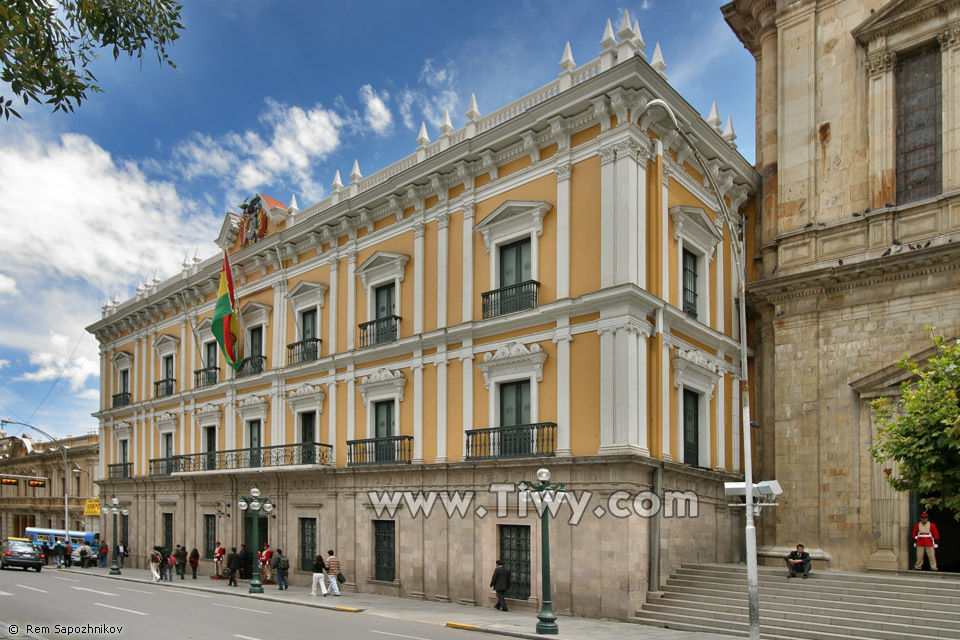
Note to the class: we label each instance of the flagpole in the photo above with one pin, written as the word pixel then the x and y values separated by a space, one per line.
pixel 193 329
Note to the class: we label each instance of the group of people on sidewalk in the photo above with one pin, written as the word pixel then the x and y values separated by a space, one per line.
pixel 163 563
pixel 62 554
pixel 274 568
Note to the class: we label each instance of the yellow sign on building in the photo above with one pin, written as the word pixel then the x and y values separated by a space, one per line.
pixel 92 508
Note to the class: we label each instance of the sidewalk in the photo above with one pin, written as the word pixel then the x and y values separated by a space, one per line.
pixel 484 619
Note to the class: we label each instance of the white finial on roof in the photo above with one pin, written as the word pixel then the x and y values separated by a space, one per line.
pixel 447 126
pixel 423 139
pixel 608 39
pixel 156 277
pixel 714 119
pixel 566 61
pixel 116 299
pixel 638 39
pixel 293 203
pixel 473 112
pixel 186 260
pixel 657 63
pixel 625 32
pixel 337 182
pixel 355 173
pixel 728 133
pixel 140 287
pixel 196 256
pixel 106 304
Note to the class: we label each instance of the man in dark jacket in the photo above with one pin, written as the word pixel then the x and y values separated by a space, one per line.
pixel 233 565
pixel 244 559
pixel 797 561
pixel 500 583
pixel 181 557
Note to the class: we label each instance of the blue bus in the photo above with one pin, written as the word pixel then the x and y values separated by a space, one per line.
pixel 51 537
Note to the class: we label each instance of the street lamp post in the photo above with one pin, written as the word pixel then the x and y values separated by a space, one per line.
pixel 661 111
pixel 66 482
pixel 547 624
pixel 116 508
pixel 255 503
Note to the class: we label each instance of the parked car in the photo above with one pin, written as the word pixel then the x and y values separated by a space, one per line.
pixel 21 553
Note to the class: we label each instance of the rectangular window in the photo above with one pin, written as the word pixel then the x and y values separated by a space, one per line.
pixel 125 381
pixel 308 543
pixel 384 550
pixel 209 535
pixel 168 445
pixel 211 358
pixel 256 341
pixel 690 283
pixel 253 438
pixel 125 531
pixel 308 432
pixel 308 324
pixel 515 553
pixel 515 263
pixel 691 427
pixel 168 531
pixel 919 125
pixel 168 367
pixel 514 403
pixel 384 428
pixel 210 448
pixel 385 299
pixel 124 451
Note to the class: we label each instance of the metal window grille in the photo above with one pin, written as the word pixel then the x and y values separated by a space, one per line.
pixel 691 427
pixel 384 545
pixel 515 553
pixel 308 543
pixel 919 125
pixel 690 283
pixel 209 535
pixel 125 531
pixel 168 531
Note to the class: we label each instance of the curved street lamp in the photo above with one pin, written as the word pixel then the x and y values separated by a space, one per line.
pixel 661 112
pixel 115 508
pixel 256 504
pixel 547 618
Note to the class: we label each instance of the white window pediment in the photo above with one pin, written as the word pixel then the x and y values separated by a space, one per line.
pixel 207 415
pixel 205 330
pixel 693 369
pixel 306 397
pixel 255 314
pixel 253 408
pixel 122 430
pixel 166 345
pixel 382 382
pixel 166 422
pixel 512 218
pixel 228 231
pixel 382 266
pixel 307 294
pixel 512 359
pixel 695 226
pixel 122 360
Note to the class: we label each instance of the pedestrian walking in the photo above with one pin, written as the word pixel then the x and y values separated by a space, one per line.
pixel 155 567
pixel 319 566
pixel 500 582
pixel 218 559
pixel 333 572
pixel 68 554
pixel 233 566
pixel 121 553
pixel 104 553
pixel 58 554
pixel 282 565
pixel 244 560
pixel 167 563
pixel 84 556
pixel 45 548
pixel 181 555
pixel 194 561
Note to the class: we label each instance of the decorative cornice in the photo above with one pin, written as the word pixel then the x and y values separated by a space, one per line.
pixel 252 407
pixel 694 368
pixel 382 381
pixel 306 396
pixel 563 171
pixel 122 430
pixel 165 422
pixel 881 62
pixel 511 217
pixel 207 415
pixel 512 357
pixel 380 265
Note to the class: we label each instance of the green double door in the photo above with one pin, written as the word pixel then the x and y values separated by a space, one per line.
pixel 263 533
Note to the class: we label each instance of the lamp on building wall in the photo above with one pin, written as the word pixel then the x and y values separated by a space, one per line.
pixel 547 619
pixel 115 508
pixel 256 504
pixel 661 112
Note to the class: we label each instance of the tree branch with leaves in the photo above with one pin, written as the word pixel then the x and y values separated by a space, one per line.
pixel 46 46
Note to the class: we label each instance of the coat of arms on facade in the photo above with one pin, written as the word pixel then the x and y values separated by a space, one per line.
pixel 253 222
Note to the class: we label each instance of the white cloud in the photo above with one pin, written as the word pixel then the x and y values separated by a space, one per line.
pixel 4 363
pixel 437 91
pixel 646 5
pixel 8 286
pixel 376 112
pixel 49 364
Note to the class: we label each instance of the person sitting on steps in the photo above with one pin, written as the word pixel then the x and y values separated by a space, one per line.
pixel 798 561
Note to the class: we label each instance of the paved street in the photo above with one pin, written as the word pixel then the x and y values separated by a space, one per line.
pixel 139 608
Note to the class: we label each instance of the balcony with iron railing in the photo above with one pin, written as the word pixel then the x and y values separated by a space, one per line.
pixel 390 450
pixel 165 387
pixel 303 351
pixel 206 377
pixel 517 297
pixel 252 366
pixel 284 455
pixel 521 441
pixel 163 466
pixel 379 331
pixel 120 470
pixel 121 399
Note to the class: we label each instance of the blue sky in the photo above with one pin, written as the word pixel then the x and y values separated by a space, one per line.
pixel 271 96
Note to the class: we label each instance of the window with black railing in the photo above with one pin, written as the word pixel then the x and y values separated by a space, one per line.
pixel 520 441
pixel 303 351
pixel 690 276
pixel 120 470
pixel 164 387
pixel 254 365
pixel 510 299
pixel 121 399
pixel 379 331
pixel 206 377
pixel 283 455
pixel 389 450
pixel 163 466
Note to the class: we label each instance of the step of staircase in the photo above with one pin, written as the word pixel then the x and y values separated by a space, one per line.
pixel 830 605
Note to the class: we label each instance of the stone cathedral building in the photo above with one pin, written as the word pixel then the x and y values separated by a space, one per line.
pixel 547 286
pixel 858 251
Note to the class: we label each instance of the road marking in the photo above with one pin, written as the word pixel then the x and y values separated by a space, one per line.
pixel 246 637
pixel 103 593
pixel 4 593
pixel 137 590
pixel 31 588
pixel 186 593
pixel 348 609
pixel 397 635
pixel 67 579
pixel 139 613
pixel 460 625
pixel 217 604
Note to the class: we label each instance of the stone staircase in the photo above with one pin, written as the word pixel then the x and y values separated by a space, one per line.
pixel 830 605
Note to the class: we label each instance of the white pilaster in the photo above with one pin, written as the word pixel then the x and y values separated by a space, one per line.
pixel 468 210
pixel 352 407
pixel 351 299
pixel 721 424
pixel 443 233
pixel 628 230
pixel 607 388
pixel 334 287
pixel 332 417
pixel 562 338
pixel 279 355
pixel 563 171
pixel 664 226
pixel 665 387
pixel 608 230
pixel 417 407
pixel 230 441
pixel 441 365
pixel 418 275
pixel 466 362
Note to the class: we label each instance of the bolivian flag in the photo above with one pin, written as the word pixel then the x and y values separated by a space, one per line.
pixel 224 326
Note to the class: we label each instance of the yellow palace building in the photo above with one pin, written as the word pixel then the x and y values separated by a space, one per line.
pixel 548 286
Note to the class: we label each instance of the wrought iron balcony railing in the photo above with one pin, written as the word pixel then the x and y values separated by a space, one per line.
pixel 517 297
pixel 391 450
pixel 121 399
pixel 164 387
pixel 379 331
pixel 163 466
pixel 283 455
pixel 304 351
pixel 252 366
pixel 206 377
pixel 120 470
pixel 521 441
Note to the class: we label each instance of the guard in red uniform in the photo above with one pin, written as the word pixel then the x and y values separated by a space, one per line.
pixel 926 538
pixel 218 559
pixel 266 573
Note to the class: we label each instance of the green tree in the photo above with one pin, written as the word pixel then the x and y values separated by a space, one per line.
pixel 46 46
pixel 922 432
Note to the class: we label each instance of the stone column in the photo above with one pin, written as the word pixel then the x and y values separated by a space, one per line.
pixel 623 385
pixel 630 224
pixel 418 275
pixel 351 298
pixel 950 99
pixel 882 102
pixel 334 263
pixel 352 407
pixel 441 365
pixel 332 417
pixel 563 171
pixel 608 230
pixel 562 338
pixel 443 235
pixel 466 363
pixel 417 367
pixel 468 210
